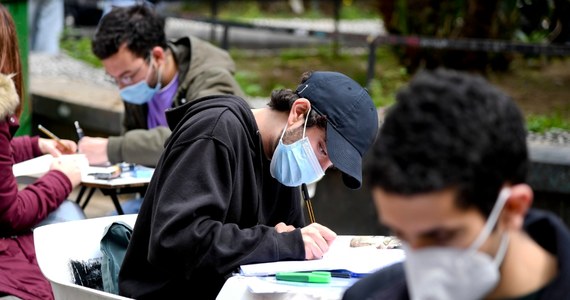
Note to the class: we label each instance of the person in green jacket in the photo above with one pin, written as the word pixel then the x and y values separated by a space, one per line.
pixel 153 75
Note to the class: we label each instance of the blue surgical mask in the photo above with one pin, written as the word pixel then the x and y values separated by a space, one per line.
pixel 296 163
pixel 140 92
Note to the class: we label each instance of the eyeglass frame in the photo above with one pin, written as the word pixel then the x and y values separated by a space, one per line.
pixel 127 80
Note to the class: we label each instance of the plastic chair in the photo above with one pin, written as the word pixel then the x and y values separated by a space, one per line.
pixel 57 244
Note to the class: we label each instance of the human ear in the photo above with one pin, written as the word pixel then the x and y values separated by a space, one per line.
pixel 298 111
pixel 517 206
pixel 158 54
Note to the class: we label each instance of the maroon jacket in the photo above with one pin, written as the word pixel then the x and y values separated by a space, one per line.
pixel 20 274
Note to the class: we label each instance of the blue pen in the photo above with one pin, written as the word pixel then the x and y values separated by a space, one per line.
pixel 345 274
pixel 79 131
pixel 341 273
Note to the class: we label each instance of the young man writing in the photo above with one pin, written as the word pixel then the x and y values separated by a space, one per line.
pixel 153 75
pixel 225 192
pixel 448 177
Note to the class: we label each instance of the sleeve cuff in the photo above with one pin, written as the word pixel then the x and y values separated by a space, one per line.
pixel 114 149
pixel 34 141
pixel 290 245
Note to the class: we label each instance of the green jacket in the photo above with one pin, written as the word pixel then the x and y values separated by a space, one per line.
pixel 203 70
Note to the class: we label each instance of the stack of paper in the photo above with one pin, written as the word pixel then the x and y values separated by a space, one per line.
pixel 358 260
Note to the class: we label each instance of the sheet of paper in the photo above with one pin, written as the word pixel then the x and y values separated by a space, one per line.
pixel 360 260
pixel 38 166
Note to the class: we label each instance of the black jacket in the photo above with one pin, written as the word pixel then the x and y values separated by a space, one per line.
pixel 210 206
pixel 545 228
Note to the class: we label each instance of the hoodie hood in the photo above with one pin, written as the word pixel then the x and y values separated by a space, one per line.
pixel 175 117
pixel 9 99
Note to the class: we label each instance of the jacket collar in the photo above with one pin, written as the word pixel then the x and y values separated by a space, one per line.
pixel 553 235
pixel 9 99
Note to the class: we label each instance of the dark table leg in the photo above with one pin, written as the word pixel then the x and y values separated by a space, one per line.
pixel 88 198
pixel 80 195
pixel 116 202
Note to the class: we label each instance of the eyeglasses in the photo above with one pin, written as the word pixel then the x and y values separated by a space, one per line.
pixel 125 79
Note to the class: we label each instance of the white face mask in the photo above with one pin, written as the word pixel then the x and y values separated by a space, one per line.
pixel 445 273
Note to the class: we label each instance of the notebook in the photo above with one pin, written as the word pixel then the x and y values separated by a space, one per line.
pixel 341 256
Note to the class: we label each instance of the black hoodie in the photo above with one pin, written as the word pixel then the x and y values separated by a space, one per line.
pixel 210 206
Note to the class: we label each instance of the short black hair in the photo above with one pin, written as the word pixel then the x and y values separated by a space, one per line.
pixel 283 99
pixel 450 130
pixel 138 26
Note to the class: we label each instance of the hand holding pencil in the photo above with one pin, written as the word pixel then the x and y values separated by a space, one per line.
pixel 55 146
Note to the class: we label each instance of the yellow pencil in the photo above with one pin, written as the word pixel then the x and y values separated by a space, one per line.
pixel 53 137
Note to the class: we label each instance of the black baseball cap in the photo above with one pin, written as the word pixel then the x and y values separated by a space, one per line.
pixel 352 120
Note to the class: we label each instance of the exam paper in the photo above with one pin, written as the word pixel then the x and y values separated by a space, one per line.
pixel 38 166
pixel 359 260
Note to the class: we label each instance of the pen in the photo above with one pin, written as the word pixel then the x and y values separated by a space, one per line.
pixel 53 137
pixel 342 274
pixel 78 129
pixel 308 203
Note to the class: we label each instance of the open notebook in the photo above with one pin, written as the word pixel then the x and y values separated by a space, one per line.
pixel 341 256
pixel 38 166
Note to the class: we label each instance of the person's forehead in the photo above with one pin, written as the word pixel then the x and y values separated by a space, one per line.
pixel 123 60
pixel 419 212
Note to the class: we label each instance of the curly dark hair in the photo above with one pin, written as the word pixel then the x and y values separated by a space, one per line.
pixel 450 130
pixel 283 99
pixel 138 26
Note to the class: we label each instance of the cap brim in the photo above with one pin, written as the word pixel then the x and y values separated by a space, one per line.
pixel 345 158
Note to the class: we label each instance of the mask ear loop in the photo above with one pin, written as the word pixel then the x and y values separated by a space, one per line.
pixel 492 220
pixel 283 132
pixel 502 250
pixel 306 119
pixel 304 126
pixel 158 72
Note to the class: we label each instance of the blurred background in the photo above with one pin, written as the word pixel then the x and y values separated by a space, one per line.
pixel 519 45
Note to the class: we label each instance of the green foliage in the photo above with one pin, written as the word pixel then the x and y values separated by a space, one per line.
pixel 356 10
pixel 249 82
pixel 383 91
pixel 537 36
pixel 543 123
pixel 259 75
pixel 246 10
pixel 80 48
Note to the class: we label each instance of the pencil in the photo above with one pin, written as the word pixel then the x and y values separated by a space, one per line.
pixel 308 203
pixel 53 137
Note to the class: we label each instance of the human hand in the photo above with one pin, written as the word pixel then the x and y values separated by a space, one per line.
pixel 282 227
pixel 317 239
pixel 70 166
pixel 95 149
pixel 50 146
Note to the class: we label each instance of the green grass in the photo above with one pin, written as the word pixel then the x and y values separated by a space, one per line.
pixel 247 10
pixel 543 123
pixel 258 76
pixel 80 48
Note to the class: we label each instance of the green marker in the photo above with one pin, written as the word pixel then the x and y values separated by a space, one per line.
pixel 311 277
